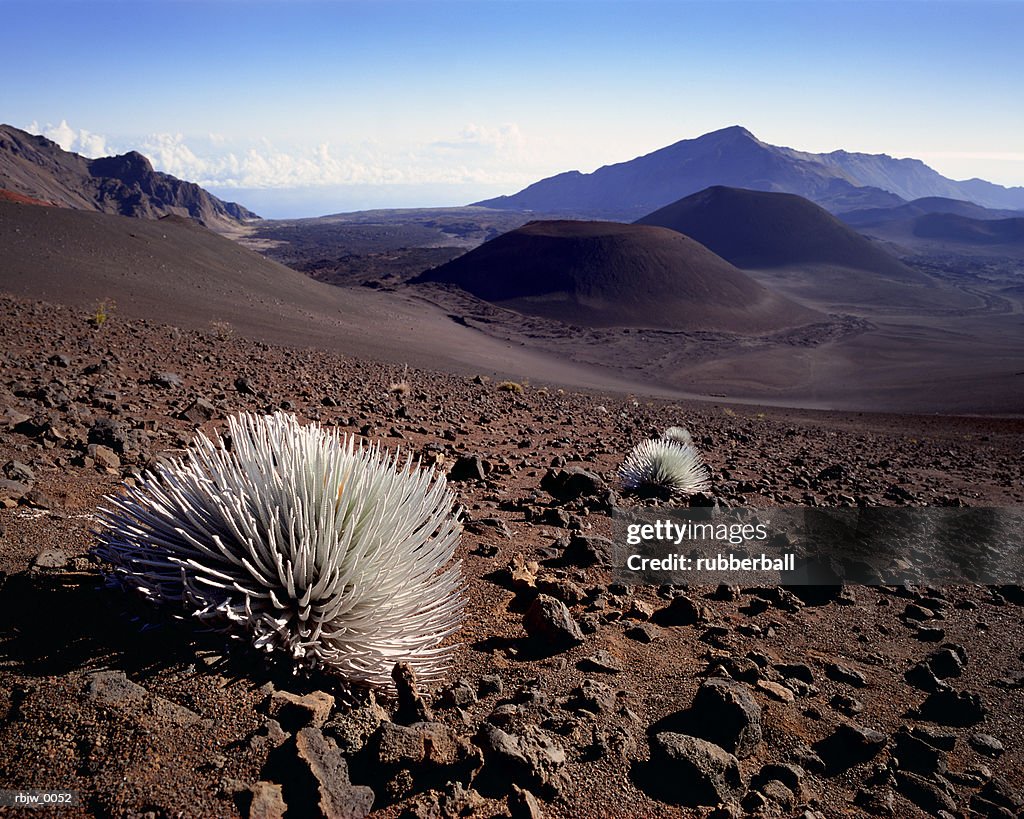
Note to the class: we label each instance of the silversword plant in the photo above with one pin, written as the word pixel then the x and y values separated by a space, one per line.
pixel 680 435
pixel 295 538
pixel 664 465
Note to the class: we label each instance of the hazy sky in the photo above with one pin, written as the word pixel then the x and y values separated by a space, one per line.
pixel 339 105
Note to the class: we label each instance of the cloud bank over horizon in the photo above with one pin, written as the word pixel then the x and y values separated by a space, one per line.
pixel 477 161
pixel 475 155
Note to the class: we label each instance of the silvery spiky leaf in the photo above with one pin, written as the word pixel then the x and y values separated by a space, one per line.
pixel 303 543
pixel 661 464
pixel 679 434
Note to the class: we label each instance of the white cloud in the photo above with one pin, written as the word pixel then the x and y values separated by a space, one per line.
pixel 80 141
pixel 477 154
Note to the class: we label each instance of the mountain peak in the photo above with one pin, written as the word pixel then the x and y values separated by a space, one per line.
pixel 733 131
pixel 734 157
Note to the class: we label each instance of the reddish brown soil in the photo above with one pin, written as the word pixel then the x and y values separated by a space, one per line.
pixel 195 738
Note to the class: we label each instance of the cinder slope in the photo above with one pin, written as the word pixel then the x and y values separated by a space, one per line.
pixel 756 229
pixel 603 274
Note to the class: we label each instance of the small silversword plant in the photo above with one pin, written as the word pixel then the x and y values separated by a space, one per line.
pixel 297 539
pixel 664 465
pixel 678 434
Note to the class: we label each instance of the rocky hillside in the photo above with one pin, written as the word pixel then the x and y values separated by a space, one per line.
pixel 34 167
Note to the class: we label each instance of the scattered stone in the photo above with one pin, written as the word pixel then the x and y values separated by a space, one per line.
pixel 496 525
pixel 167 380
pixel 467 468
pixel 533 758
pixel 849 745
pixel 198 412
pixel 726 713
pixel 549 621
pixel 12 491
pixel 846 704
pixel 594 696
pixel 644 633
pixel 950 707
pixel 572 483
pixel 777 691
pixel 523 805
pixel 682 611
pixel 51 558
pixel 602 662
pixel 338 796
pixel 295 712
pixel 917 754
pixel 924 793
pixel 986 744
pixel 267 801
pixel 876 801
pixel 845 674
pixel 796 671
pixel 352 729
pixel 412 707
pixel 458 695
pixel 491 684
pixel 588 550
pixel 915 612
pixel 691 771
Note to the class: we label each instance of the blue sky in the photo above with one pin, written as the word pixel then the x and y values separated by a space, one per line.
pixel 298 108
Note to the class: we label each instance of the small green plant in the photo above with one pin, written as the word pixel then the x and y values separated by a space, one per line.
pixel 222 330
pixel 101 313
pixel 510 386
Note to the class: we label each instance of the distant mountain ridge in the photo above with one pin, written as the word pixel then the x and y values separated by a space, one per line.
pixel 734 157
pixel 127 185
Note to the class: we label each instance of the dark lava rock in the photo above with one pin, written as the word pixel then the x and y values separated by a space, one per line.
pixel 845 674
pixel 549 621
pixel 593 696
pixel 725 712
pixel 523 805
pixel 998 792
pixel 294 712
pixel 796 671
pixel 986 744
pixel 643 633
pixel 338 797
pixel 588 550
pixel 570 484
pixel 198 412
pixel 953 708
pixel 532 758
pixel 849 745
pixel 923 793
pixel 876 801
pixel 467 468
pixel 917 754
pixel 602 662
pixel 491 684
pixel 412 707
pixel 682 611
pixel 691 771
pixel 352 729
pixel 458 695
